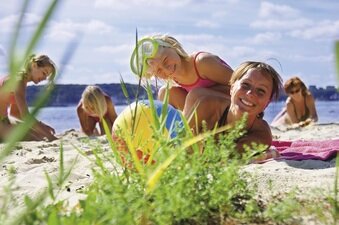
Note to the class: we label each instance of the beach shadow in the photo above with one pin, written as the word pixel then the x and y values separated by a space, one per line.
pixel 309 164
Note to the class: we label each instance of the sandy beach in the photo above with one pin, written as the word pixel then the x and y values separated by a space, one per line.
pixel 29 160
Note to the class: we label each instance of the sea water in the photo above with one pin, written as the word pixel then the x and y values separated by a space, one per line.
pixel 65 118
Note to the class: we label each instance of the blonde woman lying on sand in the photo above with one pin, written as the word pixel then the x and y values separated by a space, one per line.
pixel 94 106
pixel 299 109
pixel 13 102
pixel 253 86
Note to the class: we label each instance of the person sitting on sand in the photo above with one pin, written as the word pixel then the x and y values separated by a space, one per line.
pixel 13 104
pixel 253 86
pixel 299 109
pixel 162 56
pixel 94 107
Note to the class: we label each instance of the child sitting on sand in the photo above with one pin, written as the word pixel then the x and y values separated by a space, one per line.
pixel 94 107
pixel 13 102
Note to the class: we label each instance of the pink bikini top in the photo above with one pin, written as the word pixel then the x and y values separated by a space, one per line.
pixel 200 82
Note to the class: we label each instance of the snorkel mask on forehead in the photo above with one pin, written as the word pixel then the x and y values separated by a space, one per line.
pixel 146 49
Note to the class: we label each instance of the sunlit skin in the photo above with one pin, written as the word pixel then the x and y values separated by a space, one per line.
pixel 250 94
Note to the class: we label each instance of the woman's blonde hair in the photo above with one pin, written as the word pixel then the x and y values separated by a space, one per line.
pixel 41 61
pixel 94 98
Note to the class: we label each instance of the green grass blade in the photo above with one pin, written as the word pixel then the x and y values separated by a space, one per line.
pixel 124 89
pixel 41 27
pixel 30 206
pixel 13 64
pixel 50 186
pixel 61 165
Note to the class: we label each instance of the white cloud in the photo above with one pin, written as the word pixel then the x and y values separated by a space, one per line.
pixel 269 10
pixel 264 38
pixel 119 54
pixel 96 26
pixel 279 17
pixel 321 30
pixel 312 59
pixel 120 49
pixel 284 18
pixel 206 24
pixel 66 30
pixel 148 4
pixel 8 23
pixel 283 24
pixel 241 52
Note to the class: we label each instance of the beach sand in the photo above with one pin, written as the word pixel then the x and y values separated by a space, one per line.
pixel 30 160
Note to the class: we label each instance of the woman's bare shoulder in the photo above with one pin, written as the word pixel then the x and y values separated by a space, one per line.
pixel 260 125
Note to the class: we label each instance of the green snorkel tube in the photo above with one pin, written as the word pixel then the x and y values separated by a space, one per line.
pixel 146 48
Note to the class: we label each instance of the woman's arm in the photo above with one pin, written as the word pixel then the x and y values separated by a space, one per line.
pixel 213 68
pixel 42 130
pixel 87 123
pixel 291 112
pixel 311 106
pixel 20 99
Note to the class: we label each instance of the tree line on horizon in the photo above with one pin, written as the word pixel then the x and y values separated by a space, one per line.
pixel 70 94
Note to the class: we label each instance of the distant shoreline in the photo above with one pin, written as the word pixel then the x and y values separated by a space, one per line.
pixel 69 94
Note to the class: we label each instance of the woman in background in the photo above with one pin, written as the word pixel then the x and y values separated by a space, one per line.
pixel 94 107
pixel 299 109
pixel 13 104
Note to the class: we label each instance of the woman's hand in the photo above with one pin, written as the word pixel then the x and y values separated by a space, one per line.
pixel 271 153
pixel 305 123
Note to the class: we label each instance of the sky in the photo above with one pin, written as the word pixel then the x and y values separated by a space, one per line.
pixel 296 37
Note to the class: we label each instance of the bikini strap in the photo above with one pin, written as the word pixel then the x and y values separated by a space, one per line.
pixel 223 118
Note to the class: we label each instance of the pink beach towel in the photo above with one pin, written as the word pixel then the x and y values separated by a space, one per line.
pixel 302 150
